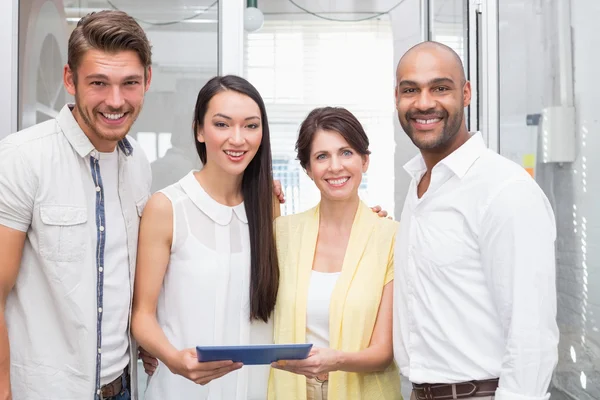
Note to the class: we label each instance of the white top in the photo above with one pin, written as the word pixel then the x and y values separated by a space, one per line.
pixel 49 189
pixel 115 310
pixel 317 307
pixel 475 294
pixel 205 297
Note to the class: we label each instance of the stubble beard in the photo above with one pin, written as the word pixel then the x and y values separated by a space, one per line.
pixel 88 120
pixel 450 128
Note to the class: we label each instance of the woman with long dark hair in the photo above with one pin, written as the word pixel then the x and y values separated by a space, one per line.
pixel 207 271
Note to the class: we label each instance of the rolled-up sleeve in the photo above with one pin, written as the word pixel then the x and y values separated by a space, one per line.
pixel 518 257
pixel 17 188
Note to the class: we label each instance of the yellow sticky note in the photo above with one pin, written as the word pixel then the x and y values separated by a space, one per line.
pixel 529 160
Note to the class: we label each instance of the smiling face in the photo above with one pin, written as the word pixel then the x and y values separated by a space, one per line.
pixel 109 93
pixel 335 167
pixel 431 94
pixel 232 132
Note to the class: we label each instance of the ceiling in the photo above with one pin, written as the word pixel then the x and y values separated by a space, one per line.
pixel 204 13
pixel 158 11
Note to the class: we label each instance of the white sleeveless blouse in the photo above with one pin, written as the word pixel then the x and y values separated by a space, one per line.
pixel 205 299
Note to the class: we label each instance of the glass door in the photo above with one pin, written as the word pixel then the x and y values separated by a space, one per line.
pixel 470 27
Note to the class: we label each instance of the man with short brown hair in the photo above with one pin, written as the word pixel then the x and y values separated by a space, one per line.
pixel 71 193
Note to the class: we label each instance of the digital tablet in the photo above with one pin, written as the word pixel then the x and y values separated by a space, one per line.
pixel 262 354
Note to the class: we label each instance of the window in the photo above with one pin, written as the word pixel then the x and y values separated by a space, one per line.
pixel 300 65
pixel 155 145
pixel 448 25
pixel 164 127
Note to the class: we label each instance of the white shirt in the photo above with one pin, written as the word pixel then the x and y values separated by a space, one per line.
pixel 205 297
pixel 49 172
pixel 115 310
pixel 317 307
pixel 475 294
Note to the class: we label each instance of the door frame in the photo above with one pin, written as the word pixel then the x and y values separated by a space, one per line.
pixel 481 37
pixel 9 44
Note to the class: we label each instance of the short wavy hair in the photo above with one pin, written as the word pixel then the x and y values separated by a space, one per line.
pixel 109 31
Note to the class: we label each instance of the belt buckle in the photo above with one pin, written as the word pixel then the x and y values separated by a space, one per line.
pixel 423 391
pixel 107 391
pixel 473 391
pixel 428 393
pixel 112 389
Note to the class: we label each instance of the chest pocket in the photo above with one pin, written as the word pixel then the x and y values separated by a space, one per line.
pixel 63 235
pixel 443 236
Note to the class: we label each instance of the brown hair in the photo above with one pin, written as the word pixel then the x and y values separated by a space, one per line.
pixel 109 31
pixel 257 187
pixel 336 119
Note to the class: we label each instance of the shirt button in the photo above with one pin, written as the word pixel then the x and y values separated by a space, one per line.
pixel 100 269
pixel 101 229
pixel 97 188
pixel 99 309
pixel 98 392
pixel 99 350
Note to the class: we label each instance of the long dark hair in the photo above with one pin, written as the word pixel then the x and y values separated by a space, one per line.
pixel 257 189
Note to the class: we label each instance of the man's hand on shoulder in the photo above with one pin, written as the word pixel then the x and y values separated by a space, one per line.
pixel 380 212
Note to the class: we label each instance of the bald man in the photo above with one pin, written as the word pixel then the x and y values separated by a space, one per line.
pixel 475 296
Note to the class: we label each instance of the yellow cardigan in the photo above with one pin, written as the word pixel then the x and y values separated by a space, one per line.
pixel 367 267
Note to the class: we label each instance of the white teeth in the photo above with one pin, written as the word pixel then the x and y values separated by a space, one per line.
pixel 340 181
pixel 234 153
pixel 113 116
pixel 427 121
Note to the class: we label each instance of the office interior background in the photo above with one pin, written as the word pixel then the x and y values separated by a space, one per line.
pixel 530 63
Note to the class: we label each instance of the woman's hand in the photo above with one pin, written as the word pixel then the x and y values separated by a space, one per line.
pixel 320 361
pixel 150 362
pixel 186 364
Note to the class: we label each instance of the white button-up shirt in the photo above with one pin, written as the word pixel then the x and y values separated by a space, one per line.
pixel 475 294
pixel 53 314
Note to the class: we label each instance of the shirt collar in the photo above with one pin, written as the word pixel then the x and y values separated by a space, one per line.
pixel 459 161
pixel 216 211
pixel 80 142
pixel 416 167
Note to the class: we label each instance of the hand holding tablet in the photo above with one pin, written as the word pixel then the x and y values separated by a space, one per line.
pixel 184 363
pixel 254 354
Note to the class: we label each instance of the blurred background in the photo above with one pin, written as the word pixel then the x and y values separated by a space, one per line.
pixel 530 63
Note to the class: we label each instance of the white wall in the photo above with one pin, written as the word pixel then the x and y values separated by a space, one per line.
pixel 529 81
pixel 577 188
